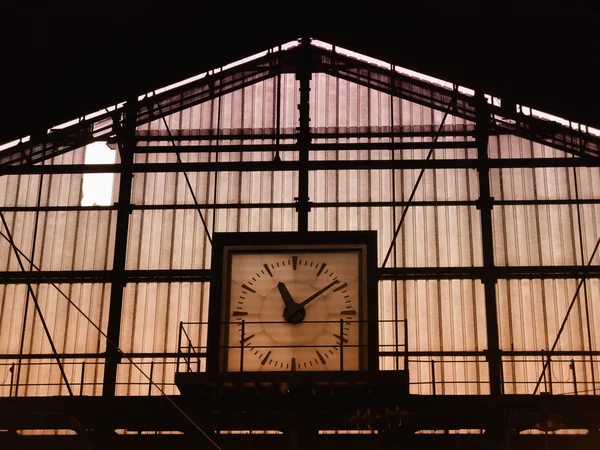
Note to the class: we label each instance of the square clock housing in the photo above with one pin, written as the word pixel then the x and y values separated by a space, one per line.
pixel 293 302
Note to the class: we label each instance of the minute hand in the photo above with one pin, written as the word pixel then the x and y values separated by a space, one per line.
pixel 316 294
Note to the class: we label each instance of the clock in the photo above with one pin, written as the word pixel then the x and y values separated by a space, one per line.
pixel 293 302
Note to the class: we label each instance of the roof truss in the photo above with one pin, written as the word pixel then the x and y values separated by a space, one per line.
pixel 106 125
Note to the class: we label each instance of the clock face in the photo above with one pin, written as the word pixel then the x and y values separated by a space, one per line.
pixel 294 310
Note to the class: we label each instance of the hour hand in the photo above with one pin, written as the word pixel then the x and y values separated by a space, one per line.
pixel 285 295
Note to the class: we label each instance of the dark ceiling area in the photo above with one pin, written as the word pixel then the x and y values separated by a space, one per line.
pixel 64 59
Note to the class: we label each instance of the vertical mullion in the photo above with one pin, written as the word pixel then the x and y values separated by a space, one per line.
pixel 489 278
pixel 127 143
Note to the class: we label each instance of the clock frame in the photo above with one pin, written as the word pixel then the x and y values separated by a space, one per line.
pixel 270 260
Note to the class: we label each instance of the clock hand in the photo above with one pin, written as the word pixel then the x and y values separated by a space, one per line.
pixel 316 294
pixel 285 295
pixel 293 312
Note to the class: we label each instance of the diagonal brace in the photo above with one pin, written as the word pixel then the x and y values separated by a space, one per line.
pixel 37 305
pixel 564 322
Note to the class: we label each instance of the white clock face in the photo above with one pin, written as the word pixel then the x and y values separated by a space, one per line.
pixel 300 311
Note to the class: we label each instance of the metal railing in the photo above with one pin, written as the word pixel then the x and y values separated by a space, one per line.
pixel 192 350
pixel 85 377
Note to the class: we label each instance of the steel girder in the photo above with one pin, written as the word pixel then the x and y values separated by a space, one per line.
pixel 104 126
pixel 503 120
pixel 271 408
pixel 385 273
pixel 101 127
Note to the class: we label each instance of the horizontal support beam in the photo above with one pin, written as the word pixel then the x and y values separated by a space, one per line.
pixel 276 411
pixel 80 356
pixel 478 273
pixel 213 206
pixel 269 166
pixel 399 273
pixel 411 354
pixel 365 146
pixel 387 273
pixel 365 441
pixel 105 276
pixel 341 133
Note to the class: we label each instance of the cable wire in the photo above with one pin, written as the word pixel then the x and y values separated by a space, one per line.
pixel 162 392
pixel 564 322
pixel 187 179
pixel 418 182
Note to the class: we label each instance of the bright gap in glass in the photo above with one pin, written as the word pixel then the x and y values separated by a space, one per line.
pixel 97 187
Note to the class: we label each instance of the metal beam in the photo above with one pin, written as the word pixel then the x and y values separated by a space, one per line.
pixel 126 141
pixel 385 273
pixel 366 441
pixel 303 75
pixel 438 97
pixel 489 279
pixel 275 205
pixel 314 147
pixel 324 411
pixel 267 166
pixel 372 132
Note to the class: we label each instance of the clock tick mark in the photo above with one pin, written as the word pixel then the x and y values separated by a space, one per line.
pixel 264 361
pixel 248 288
pixel 311 264
pixel 339 288
pixel 320 357
pixel 268 270
pixel 343 339
pixel 239 313
pixel 277 263
pixel 247 338
pixel 294 262
pixel 351 312
pixel 321 269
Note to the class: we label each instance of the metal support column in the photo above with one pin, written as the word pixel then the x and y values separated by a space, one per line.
pixel 126 141
pixel 304 75
pixel 489 278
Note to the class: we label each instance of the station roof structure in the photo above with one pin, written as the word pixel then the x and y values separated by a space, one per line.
pixel 69 59
pixel 507 116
